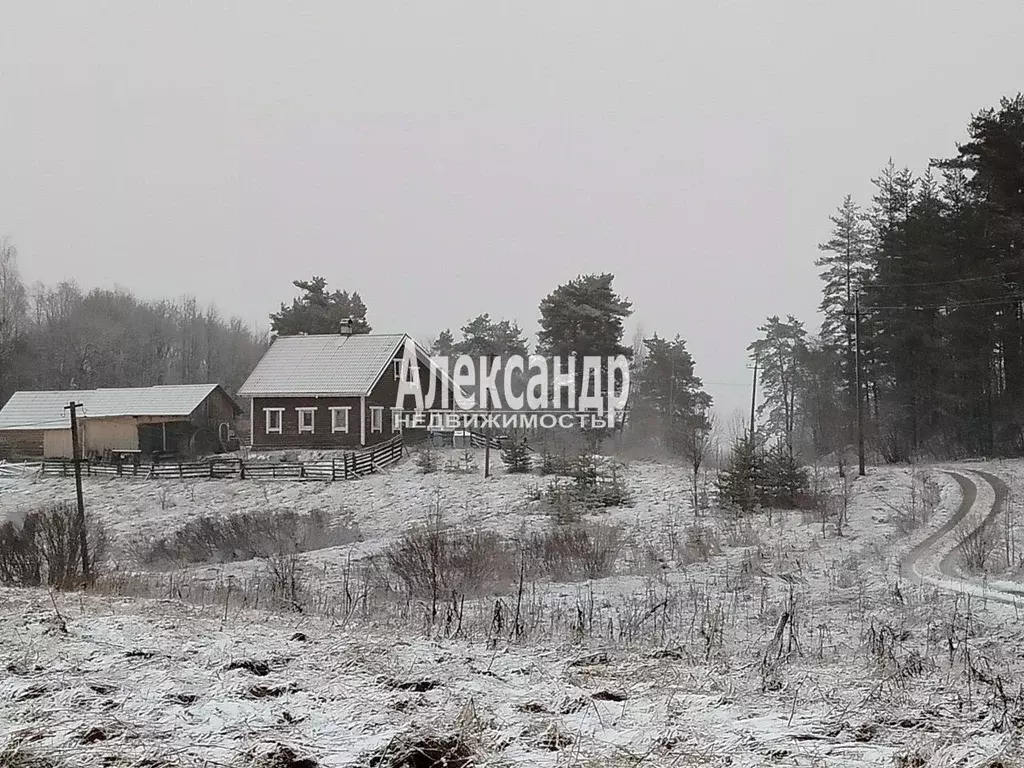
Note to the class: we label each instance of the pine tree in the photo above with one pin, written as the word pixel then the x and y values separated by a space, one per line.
pixel 319 311
pixel 784 480
pixel 669 399
pixel 844 271
pixel 516 456
pixel 482 337
pixel 444 344
pixel 583 317
pixel 778 353
pixel 740 482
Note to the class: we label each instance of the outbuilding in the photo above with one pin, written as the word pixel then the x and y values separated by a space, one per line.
pixel 179 419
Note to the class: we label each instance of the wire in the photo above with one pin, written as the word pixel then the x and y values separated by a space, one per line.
pixel 954 281
pixel 951 304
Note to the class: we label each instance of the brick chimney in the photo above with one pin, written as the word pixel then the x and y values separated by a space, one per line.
pixel 345 328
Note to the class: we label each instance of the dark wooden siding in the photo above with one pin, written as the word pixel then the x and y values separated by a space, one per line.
pixel 214 410
pixel 21 444
pixel 384 395
pixel 321 437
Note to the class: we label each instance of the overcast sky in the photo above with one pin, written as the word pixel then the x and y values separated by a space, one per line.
pixel 446 159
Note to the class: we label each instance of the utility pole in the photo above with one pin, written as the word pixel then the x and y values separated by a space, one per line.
pixel 753 400
pixel 487 446
pixel 672 398
pixel 76 449
pixel 857 385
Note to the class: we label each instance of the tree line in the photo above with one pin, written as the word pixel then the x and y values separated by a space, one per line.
pixel 584 316
pixel 62 337
pixel 923 297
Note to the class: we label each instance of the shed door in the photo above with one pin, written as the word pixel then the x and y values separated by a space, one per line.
pixel 57 444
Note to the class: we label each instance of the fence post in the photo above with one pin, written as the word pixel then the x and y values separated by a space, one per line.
pixel 241 469
pixel 302 470
pixel 211 469
pixel 334 469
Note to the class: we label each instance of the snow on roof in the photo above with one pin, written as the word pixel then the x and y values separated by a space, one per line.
pixel 45 410
pixel 328 364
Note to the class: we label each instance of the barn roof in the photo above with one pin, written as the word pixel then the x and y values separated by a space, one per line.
pixel 45 410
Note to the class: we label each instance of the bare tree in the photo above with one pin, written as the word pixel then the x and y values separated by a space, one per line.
pixel 13 313
pixel 698 446
pixel 639 348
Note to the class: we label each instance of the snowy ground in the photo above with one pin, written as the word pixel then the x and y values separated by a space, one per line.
pixel 784 644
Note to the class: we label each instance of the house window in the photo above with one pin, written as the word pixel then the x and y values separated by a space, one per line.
pixel 376 418
pixel 307 417
pixel 273 416
pixel 413 380
pixel 396 419
pixel 339 419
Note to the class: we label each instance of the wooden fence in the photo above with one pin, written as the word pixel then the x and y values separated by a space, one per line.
pixel 345 467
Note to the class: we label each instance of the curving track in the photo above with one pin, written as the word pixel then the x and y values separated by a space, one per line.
pixel 949 575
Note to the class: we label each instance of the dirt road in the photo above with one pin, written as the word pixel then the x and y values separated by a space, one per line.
pixel 950 539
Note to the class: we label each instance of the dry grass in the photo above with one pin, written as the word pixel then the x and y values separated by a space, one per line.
pixel 433 560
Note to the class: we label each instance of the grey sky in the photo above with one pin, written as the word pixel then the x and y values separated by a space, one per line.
pixel 446 159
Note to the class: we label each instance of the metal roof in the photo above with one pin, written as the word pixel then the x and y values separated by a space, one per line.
pixel 45 410
pixel 328 364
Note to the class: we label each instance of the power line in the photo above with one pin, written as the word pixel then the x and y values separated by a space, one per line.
pixel 952 281
pixel 990 302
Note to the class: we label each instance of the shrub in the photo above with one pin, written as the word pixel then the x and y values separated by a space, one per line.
pixel 593 486
pixel 287 584
pixel 46 548
pixel 463 464
pixel 562 502
pixel 976 547
pixel 534 492
pixel 698 544
pixel 426 459
pixel 20 557
pixel 432 560
pixel 582 551
pixel 769 479
pixel 247 535
pixel 516 456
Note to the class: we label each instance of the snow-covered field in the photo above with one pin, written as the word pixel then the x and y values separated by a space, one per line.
pixel 714 641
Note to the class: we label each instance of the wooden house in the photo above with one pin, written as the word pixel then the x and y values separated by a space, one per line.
pixel 334 391
pixel 179 419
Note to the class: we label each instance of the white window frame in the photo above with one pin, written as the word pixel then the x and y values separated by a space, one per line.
pixel 335 410
pixel 267 413
pixel 303 429
pixel 396 419
pixel 377 415
pixel 414 377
